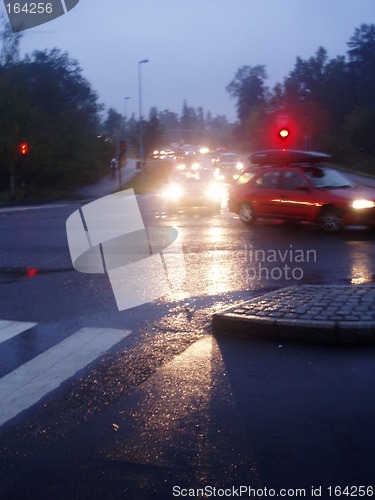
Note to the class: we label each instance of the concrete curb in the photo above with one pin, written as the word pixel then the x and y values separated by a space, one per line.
pixel 313 313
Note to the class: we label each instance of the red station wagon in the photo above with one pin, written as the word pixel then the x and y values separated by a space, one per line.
pixel 298 186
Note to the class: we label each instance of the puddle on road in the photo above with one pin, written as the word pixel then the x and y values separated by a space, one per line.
pixel 11 275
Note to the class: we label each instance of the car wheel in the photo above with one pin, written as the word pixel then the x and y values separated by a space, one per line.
pixel 331 220
pixel 247 213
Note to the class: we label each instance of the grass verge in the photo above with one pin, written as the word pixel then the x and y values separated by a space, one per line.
pixel 151 178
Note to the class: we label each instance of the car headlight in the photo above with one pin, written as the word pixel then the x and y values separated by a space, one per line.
pixel 214 191
pixel 195 166
pixel 239 166
pixel 173 192
pixel 358 204
pixel 181 166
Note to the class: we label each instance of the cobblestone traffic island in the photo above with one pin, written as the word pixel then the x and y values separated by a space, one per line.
pixel 332 314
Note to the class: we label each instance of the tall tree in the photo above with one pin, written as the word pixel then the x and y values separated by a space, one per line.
pixel 189 124
pixel 13 105
pixel 113 124
pixel 132 134
pixel 10 44
pixel 188 120
pixel 359 123
pixel 200 118
pixel 307 80
pixel 362 64
pixel 248 88
pixel 170 123
pixel 154 134
pixel 337 97
pixel 45 101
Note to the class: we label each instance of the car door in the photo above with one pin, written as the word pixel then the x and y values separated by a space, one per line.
pixel 296 197
pixel 266 193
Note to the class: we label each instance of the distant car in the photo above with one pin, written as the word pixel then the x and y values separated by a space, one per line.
pixel 193 189
pixel 188 162
pixel 163 153
pixel 298 186
pixel 228 166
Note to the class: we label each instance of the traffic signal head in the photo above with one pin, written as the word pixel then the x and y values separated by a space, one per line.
pixel 24 148
pixel 123 146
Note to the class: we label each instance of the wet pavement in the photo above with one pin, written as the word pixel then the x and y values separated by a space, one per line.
pixel 173 407
pixel 220 414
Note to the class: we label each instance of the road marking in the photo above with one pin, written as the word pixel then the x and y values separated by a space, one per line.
pixel 29 383
pixel 9 329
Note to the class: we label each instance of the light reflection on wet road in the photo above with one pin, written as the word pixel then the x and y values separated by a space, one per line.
pixel 223 256
pixel 173 404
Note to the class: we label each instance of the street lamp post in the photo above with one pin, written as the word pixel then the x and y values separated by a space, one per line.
pixel 141 151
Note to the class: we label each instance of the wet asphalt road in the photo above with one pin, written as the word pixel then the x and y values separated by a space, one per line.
pixel 172 406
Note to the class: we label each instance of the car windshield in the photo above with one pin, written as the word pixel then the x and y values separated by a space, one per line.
pixel 325 178
pixel 192 176
pixel 229 157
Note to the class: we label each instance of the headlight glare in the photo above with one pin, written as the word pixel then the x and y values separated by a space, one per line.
pixel 214 191
pixel 360 204
pixel 173 192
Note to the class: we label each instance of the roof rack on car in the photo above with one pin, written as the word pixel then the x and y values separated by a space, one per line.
pixel 287 156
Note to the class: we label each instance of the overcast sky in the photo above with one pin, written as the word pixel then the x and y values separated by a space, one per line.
pixel 194 47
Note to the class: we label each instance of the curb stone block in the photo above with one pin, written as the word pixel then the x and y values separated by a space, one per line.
pixel 317 313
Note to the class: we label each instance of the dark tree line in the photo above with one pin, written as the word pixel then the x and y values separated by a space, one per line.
pixel 164 128
pixel 46 102
pixel 327 103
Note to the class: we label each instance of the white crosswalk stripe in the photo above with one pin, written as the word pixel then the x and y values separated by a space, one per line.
pixel 29 383
pixel 9 329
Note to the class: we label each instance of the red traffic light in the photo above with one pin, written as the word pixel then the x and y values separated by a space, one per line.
pixel 24 148
pixel 123 146
pixel 284 134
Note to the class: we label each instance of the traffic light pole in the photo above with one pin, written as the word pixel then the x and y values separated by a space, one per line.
pixel 18 168
pixel 119 175
pixel 12 183
pixel 120 157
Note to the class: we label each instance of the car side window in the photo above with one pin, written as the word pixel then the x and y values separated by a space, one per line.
pixel 246 177
pixel 269 180
pixel 293 181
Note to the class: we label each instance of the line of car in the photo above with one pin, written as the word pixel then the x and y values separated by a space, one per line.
pixel 196 183
pixel 288 185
